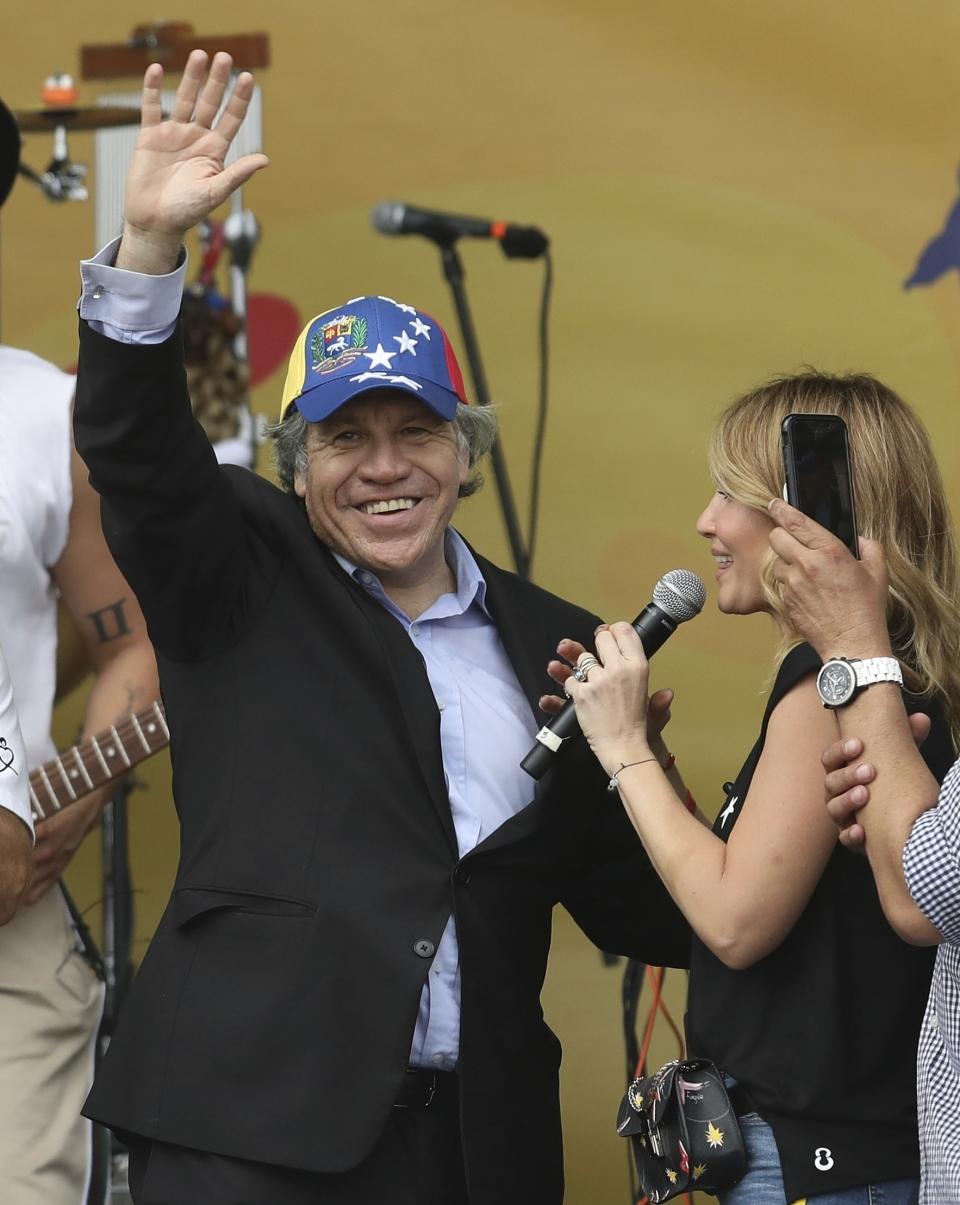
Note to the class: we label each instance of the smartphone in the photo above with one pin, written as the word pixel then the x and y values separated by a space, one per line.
pixel 819 481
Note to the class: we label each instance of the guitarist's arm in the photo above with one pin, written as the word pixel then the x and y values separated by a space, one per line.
pixel 16 853
pixel 107 615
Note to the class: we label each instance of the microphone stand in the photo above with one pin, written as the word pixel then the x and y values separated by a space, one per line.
pixel 242 232
pixel 109 1181
pixel 454 272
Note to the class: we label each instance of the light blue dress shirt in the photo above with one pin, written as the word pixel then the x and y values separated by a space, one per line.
pixel 486 725
pixel 486 728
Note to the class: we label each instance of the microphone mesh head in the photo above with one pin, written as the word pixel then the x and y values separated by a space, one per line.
pixel 681 594
pixel 387 216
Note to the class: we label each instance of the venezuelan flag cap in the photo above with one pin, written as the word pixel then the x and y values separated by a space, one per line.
pixel 371 343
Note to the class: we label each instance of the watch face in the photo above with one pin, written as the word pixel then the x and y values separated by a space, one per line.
pixel 836 683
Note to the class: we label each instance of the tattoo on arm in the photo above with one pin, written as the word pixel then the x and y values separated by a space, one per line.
pixel 110 622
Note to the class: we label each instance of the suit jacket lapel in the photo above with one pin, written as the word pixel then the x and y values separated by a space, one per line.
pixel 526 642
pixel 521 632
pixel 405 671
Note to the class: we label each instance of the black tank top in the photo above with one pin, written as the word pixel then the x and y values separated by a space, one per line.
pixel 822 1033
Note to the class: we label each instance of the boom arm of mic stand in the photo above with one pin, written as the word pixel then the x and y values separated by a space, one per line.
pixel 454 272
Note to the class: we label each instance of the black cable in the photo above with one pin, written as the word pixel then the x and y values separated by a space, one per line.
pixel 542 408
pixel 633 976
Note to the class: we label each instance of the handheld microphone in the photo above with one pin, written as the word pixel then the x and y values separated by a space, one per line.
pixel 678 596
pixel 518 242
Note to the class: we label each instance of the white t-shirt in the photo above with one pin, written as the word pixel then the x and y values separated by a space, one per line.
pixel 14 772
pixel 35 501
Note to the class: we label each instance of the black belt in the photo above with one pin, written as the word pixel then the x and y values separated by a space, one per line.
pixel 421 1088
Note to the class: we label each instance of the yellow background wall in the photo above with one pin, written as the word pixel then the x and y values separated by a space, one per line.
pixel 732 190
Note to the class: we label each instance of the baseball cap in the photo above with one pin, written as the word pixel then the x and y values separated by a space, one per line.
pixel 371 343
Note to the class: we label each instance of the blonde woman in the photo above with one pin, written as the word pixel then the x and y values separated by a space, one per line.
pixel 799 990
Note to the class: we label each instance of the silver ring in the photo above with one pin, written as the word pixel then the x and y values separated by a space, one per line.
pixel 584 666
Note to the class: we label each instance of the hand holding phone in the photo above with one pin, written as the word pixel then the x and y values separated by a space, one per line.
pixel 819 480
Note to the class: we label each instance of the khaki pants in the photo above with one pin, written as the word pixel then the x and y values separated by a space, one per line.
pixel 50 1005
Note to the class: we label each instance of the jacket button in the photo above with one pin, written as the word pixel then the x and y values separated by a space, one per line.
pixel 424 949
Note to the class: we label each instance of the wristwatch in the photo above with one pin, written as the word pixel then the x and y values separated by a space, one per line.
pixel 843 677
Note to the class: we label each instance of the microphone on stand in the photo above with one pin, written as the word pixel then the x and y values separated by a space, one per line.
pixel 518 242
pixel 678 596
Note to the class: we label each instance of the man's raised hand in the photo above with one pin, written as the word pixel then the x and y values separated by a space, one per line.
pixel 177 174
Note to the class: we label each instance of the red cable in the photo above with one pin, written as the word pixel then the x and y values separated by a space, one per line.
pixel 656 976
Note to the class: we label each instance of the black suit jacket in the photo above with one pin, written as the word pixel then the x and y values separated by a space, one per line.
pixel 273 1014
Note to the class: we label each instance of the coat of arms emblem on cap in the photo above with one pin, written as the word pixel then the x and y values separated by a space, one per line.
pixel 338 343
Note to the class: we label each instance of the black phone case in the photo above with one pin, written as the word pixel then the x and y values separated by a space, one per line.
pixel 791 489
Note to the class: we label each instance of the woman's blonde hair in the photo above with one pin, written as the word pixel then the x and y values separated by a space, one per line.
pixel 900 502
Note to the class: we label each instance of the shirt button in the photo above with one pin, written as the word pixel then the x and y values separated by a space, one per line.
pixel 367 578
pixel 97 292
pixel 934 1022
pixel 424 948
pixel 437 1058
pixel 414 630
pixel 440 706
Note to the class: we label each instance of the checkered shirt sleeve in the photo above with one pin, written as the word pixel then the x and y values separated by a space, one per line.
pixel 931 860
pixel 931 866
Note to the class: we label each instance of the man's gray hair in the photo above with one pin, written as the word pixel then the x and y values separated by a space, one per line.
pixel 475 428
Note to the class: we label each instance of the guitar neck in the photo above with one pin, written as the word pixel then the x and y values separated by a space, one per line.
pixel 97 761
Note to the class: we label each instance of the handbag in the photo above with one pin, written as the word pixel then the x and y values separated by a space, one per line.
pixel 683 1130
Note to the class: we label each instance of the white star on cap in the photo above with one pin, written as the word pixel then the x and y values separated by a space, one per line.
pixel 421 328
pixel 385 376
pixel 406 344
pixel 381 357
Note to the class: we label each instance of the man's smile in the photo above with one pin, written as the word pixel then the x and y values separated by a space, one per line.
pixel 386 505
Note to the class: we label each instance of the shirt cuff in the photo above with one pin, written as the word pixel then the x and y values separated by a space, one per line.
pixel 130 307
pixel 932 874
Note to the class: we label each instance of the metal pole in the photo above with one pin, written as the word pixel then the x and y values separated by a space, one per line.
pixel 454 272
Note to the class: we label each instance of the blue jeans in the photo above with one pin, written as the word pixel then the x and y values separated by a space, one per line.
pixel 763 1183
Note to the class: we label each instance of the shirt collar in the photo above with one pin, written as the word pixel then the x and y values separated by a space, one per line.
pixel 471 585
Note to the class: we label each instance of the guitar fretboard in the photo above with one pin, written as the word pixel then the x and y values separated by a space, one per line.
pixel 97 760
